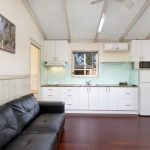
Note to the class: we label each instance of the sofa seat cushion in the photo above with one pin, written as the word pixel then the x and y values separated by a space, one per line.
pixel 33 142
pixel 8 125
pixel 26 109
pixel 46 123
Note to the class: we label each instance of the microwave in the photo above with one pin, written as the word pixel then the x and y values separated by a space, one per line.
pixel 142 65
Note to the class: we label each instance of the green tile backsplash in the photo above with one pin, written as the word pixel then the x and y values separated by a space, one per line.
pixel 109 73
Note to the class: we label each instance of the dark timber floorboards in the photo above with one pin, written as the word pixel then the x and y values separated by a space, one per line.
pixel 106 133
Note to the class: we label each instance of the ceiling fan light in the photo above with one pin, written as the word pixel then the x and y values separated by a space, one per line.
pixel 101 23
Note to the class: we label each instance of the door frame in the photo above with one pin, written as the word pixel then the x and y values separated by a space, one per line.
pixel 36 44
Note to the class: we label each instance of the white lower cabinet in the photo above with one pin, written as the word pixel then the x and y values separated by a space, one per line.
pixel 50 93
pixel 83 98
pixel 70 95
pixel 94 98
pixel 127 98
pixel 107 98
pixel 93 94
pixel 88 98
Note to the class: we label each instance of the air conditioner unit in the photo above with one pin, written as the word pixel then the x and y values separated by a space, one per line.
pixel 115 47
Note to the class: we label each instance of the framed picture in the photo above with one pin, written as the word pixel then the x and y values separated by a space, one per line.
pixel 7 35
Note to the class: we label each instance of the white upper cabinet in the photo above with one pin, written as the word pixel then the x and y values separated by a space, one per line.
pixel 140 50
pixel 135 50
pixel 49 50
pixel 145 50
pixel 56 51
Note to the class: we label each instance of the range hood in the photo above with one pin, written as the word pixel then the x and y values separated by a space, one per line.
pixel 55 63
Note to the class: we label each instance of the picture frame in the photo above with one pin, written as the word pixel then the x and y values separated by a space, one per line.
pixel 7 35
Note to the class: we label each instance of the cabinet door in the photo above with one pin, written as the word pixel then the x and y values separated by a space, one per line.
pixel 112 98
pixel 146 50
pixel 50 93
pixel 135 50
pixel 145 99
pixel 103 98
pixel 71 101
pixel 83 100
pixel 93 98
pixel 62 50
pixel 49 50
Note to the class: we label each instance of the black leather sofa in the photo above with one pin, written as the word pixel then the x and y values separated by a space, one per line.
pixel 26 124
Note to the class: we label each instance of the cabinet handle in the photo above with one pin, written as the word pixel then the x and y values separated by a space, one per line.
pixel 109 90
pixel 50 95
pixel 69 95
pixel 87 89
pixel 69 104
pixel 127 93
pixel 128 105
pixel 50 89
pixel 69 90
pixel 106 90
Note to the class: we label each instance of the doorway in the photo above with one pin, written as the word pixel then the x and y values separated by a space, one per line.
pixel 35 70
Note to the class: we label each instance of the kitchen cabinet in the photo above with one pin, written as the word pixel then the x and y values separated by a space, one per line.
pixel 145 50
pixel 107 98
pixel 94 98
pixel 70 95
pixel 89 98
pixel 140 50
pixel 56 51
pixel 127 98
pixel 83 98
pixel 50 93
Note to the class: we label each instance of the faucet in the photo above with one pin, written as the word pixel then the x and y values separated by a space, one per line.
pixel 88 82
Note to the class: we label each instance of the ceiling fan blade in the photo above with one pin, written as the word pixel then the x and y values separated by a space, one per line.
pixel 129 4
pixel 96 1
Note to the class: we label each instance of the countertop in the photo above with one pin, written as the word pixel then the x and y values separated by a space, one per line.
pixel 84 85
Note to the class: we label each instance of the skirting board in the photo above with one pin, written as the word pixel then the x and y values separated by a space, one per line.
pixel 102 112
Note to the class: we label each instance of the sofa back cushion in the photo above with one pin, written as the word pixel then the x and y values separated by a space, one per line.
pixel 26 109
pixel 8 125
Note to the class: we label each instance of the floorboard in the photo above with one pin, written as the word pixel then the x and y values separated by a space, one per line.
pixel 106 133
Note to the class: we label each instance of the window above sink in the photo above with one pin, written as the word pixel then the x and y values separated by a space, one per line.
pixel 85 64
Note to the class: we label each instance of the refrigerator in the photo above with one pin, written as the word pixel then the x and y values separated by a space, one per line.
pixel 144 92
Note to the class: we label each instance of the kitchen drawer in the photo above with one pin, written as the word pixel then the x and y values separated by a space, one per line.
pixel 71 104
pixel 50 97
pixel 70 96
pixel 50 90
pixel 127 93
pixel 127 104
pixel 70 90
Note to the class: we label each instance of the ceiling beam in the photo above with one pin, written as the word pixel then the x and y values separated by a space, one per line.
pixel 135 19
pixel 147 37
pixel 105 5
pixel 67 19
pixel 29 9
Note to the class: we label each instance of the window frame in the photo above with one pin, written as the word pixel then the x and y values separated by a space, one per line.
pixel 85 76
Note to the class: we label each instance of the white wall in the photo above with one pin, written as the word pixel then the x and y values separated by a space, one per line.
pixel 18 63
pixel 15 68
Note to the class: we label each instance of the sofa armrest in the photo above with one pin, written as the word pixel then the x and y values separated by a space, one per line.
pixel 51 107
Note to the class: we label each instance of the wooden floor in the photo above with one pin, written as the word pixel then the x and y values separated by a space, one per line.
pixel 106 133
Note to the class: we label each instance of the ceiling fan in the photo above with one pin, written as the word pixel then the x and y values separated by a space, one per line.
pixel 128 3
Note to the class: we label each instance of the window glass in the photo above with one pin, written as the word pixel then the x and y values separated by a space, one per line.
pixel 85 63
